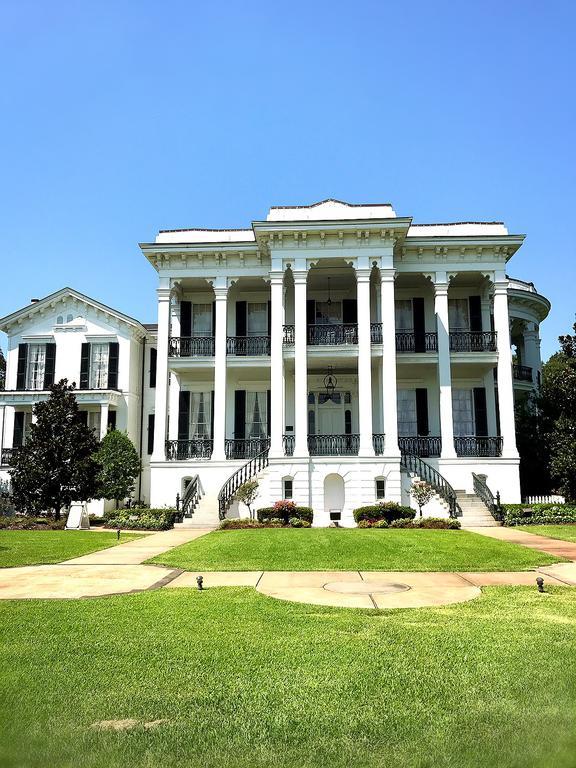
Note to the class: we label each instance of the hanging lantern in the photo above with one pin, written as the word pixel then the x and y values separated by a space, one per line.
pixel 330 382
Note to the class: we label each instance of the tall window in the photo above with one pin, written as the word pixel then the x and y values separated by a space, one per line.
pixel 94 422
pixel 200 415
pixel 407 414
pixel 458 314
pixel 287 488
pixel 256 415
pixel 201 319
pixel 404 315
pixel 36 366
pixel 463 412
pixel 257 319
pixel 99 354
pixel 328 314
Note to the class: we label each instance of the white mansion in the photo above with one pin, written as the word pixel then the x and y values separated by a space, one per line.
pixel 332 351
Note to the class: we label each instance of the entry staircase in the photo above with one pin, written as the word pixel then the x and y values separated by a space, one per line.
pixel 480 509
pixel 418 469
pixel 196 509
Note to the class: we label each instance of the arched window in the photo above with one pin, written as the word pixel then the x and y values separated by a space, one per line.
pixel 59 320
pixel 69 318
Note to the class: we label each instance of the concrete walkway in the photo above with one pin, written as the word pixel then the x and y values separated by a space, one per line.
pixel 121 570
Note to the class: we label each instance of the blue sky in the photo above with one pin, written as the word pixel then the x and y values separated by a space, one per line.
pixel 122 118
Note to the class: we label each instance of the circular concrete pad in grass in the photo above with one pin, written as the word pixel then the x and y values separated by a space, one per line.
pixel 366 588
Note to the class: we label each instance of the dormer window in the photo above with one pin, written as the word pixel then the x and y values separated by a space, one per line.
pixel 59 320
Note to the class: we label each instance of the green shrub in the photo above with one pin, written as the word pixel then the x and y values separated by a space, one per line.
pixel 365 524
pixel 284 510
pixel 440 523
pixel 386 510
pixel 239 523
pixel 381 524
pixel 141 519
pixel 96 521
pixel 538 514
pixel 31 523
pixel 402 522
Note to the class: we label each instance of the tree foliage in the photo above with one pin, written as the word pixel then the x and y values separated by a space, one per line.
pixel 247 494
pixel 56 466
pixel 422 493
pixel 2 370
pixel 119 466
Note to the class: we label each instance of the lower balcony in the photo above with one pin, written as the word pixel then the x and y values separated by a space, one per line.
pixel 486 447
pixel 333 445
pixel 191 346
pixel 7 457
pixel 332 335
pixel 245 448
pixel 248 345
pixel 422 446
pixel 185 450
pixel 522 373
pixel 473 341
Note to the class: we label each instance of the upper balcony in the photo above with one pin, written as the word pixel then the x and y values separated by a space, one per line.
pixel 473 341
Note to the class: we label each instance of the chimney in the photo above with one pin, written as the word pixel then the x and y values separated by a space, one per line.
pixel 34 301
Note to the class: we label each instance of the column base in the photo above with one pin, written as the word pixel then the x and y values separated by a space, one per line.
pixel 448 454
pixel 276 453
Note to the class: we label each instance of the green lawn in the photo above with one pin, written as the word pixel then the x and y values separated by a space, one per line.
pixel 35 547
pixel 245 681
pixel 563 532
pixel 320 549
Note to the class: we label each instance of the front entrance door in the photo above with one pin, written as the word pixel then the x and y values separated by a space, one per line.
pixel 330 418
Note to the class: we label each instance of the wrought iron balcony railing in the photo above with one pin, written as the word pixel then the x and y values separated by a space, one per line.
pixel 486 447
pixel 191 346
pixel 522 372
pixel 183 450
pixel 331 335
pixel 376 333
pixel 333 445
pixel 288 338
pixel 473 341
pixel 409 341
pixel 246 448
pixel 248 345
pixel 378 443
pixel 7 456
pixel 288 441
pixel 422 446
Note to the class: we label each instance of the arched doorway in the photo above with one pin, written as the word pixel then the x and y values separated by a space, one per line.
pixel 334 497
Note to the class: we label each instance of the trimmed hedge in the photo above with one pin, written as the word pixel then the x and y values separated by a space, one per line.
pixel 141 519
pixel 31 523
pixel 239 523
pixel 285 510
pixel 440 523
pixel 387 510
pixel 538 514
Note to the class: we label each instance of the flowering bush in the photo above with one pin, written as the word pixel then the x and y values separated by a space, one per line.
pixel 284 510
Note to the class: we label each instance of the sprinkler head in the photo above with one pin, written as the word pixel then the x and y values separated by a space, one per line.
pixel 200 582
pixel 540 583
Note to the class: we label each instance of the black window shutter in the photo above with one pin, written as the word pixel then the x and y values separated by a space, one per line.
pixel 347 422
pixel 186 318
pixel 269 318
pixel 18 437
pixel 422 412
pixel 184 416
pixel 310 312
pixel 240 318
pixel 150 447
pixel 50 366
pixel 213 318
pixel 480 413
pixel 22 363
pixel 85 367
pixel 419 325
pixel 240 414
pixel 268 406
pixel 212 415
pixel 153 363
pixel 83 417
pixel 475 306
pixel 113 353
pixel 349 311
pixel 111 419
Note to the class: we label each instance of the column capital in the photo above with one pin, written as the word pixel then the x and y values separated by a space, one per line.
pixel 387 275
pixel 441 289
pixel 500 287
pixel 164 294
pixel 276 277
pixel 300 277
pixel 363 274
pixel 220 292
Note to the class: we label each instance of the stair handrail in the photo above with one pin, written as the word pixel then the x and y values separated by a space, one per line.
pixel 484 493
pixel 186 504
pixel 249 469
pixel 426 472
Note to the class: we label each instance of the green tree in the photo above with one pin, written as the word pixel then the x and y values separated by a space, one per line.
pixel 2 370
pixel 247 494
pixel 422 493
pixel 56 466
pixel 119 466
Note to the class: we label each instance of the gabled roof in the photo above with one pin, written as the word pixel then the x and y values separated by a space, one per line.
pixel 31 309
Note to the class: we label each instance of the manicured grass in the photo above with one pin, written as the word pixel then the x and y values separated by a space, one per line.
pixel 35 547
pixel 320 549
pixel 245 681
pixel 563 532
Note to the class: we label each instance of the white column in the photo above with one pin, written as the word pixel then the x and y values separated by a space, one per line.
pixel 505 383
pixel 300 366
pixel 221 297
pixel 161 395
pixel 444 373
pixel 174 400
pixel 8 441
pixel 364 363
pixel 2 411
pixel 276 365
pixel 532 350
pixel 104 409
pixel 389 401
